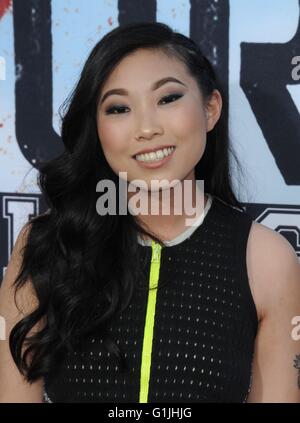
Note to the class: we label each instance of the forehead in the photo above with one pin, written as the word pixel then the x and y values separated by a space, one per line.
pixel 144 66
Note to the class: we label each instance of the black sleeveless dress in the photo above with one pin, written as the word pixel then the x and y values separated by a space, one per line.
pixel 188 340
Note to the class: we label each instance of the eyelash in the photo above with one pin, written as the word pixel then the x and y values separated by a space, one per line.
pixel 111 110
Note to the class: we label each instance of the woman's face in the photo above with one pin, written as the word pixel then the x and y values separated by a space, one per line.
pixel 151 115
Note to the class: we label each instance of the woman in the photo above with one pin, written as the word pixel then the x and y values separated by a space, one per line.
pixel 142 307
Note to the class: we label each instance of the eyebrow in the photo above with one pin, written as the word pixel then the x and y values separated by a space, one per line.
pixel 155 86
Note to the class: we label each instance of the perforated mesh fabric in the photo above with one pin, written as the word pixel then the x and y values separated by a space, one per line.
pixel 204 328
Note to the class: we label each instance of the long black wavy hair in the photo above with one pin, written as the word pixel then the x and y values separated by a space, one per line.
pixel 84 266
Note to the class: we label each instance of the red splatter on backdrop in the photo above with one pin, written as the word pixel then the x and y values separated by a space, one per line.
pixel 4 6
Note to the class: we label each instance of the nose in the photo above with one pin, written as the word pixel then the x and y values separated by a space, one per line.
pixel 148 128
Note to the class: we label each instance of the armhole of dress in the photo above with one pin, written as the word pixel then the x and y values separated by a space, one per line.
pixel 241 251
pixel 245 226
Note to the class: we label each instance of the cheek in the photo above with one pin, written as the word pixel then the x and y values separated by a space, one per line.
pixel 190 130
pixel 189 123
pixel 112 138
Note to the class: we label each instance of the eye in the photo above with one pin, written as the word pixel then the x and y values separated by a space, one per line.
pixel 169 97
pixel 116 110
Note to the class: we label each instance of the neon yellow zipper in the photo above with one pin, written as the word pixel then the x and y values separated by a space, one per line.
pixel 149 322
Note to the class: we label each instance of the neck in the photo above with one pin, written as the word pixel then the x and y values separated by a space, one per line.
pixel 168 224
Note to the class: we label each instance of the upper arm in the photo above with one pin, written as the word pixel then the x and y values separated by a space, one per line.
pixel 13 386
pixel 274 271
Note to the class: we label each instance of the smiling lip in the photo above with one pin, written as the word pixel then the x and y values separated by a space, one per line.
pixel 149 150
pixel 158 163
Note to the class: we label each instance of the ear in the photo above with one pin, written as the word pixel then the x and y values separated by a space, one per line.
pixel 213 109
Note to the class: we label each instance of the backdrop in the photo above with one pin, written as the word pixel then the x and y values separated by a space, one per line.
pixel 254 46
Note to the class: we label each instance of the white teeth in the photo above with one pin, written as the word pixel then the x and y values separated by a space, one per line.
pixel 155 156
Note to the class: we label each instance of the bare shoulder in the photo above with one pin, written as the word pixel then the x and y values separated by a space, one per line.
pixel 13 386
pixel 274 276
pixel 12 270
pixel 273 267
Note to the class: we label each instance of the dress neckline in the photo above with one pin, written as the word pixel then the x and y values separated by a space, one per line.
pixel 187 233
